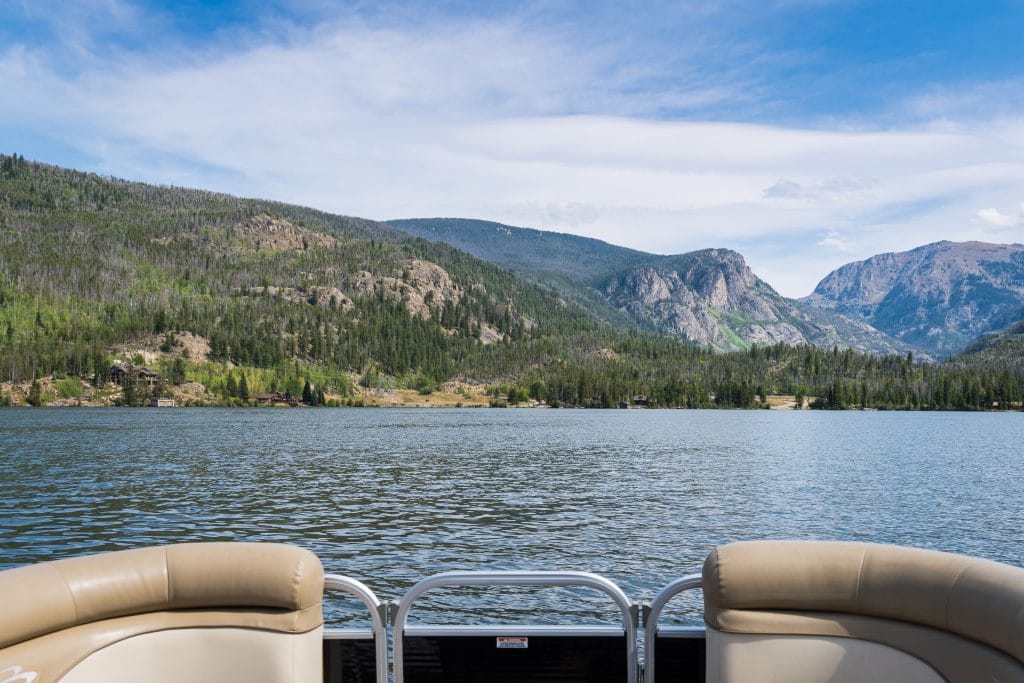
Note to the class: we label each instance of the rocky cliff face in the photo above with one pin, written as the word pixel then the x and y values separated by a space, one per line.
pixel 698 295
pixel 712 297
pixel 264 232
pixel 939 296
pixel 424 288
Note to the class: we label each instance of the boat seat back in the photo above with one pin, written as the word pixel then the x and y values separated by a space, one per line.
pixel 188 612
pixel 831 611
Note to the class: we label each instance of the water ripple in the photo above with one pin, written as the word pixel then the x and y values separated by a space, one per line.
pixel 391 496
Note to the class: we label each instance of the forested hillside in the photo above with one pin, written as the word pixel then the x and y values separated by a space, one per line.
pixel 240 296
pixel 1004 349
pixel 89 263
pixel 574 266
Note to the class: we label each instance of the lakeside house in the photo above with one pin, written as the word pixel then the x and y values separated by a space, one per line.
pixel 120 374
pixel 161 403
pixel 276 397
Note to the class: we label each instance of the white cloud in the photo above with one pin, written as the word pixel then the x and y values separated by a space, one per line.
pixel 457 120
pixel 836 242
pixel 998 219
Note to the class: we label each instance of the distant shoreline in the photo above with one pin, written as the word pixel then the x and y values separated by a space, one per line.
pixel 477 406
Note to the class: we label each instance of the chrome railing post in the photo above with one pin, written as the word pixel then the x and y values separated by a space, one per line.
pixel 378 617
pixel 654 611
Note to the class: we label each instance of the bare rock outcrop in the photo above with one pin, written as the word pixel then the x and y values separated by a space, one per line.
pixel 423 287
pixel 313 295
pixel 265 232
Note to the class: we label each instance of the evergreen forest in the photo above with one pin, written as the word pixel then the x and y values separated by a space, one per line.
pixel 317 306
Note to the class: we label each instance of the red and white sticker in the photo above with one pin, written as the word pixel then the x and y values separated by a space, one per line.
pixel 513 642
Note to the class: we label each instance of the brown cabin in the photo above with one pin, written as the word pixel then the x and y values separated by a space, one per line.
pixel 276 397
pixel 119 375
pixel 148 376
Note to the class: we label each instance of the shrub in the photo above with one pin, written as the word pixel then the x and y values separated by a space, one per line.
pixel 70 387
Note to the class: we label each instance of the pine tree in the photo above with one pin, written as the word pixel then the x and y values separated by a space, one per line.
pixel 35 394
pixel 243 388
pixel 100 368
pixel 178 371
pixel 130 392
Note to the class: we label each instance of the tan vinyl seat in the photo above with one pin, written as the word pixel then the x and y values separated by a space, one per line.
pixel 800 611
pixel 190 612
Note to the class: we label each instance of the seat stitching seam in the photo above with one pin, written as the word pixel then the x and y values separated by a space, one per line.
pixel 949 596
pixel 167 579
pixel 860 578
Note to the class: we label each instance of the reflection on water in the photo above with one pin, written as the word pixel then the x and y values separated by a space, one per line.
pixel 391 496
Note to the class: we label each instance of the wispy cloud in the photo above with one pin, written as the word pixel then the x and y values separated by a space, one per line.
pixel 829 189
pixel 81 31
pixel 1001 98
pixel 497 118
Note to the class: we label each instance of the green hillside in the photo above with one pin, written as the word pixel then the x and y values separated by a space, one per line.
pixel 88 263
pixel 1003 350
pixel 574 266
pixel 538 251
pixel 240 296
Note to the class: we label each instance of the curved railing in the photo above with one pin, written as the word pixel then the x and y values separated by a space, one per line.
pixel 651 616
pixel 517 578
pixel 378 618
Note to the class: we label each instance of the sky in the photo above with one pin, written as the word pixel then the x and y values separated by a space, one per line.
pixel 803 134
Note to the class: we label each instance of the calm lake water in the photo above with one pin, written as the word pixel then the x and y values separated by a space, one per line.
pixel 391 496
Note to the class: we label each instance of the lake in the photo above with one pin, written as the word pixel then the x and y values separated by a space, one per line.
pixel 391 496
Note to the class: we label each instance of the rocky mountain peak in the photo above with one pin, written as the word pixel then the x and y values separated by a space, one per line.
pixel 938 296
pixel 721 276
pixel 699 296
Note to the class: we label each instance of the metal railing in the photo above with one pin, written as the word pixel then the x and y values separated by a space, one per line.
pixel 652 613
pixel 398 613
pixel 518 578
pixel 378 618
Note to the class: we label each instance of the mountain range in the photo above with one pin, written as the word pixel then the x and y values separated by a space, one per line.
pixel 932 300
pixel 209 290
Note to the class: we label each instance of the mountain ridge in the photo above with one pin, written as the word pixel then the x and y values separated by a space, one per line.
pixel 710 296
pixel 939 296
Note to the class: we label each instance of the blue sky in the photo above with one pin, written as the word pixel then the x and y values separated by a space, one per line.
pixel 804 134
